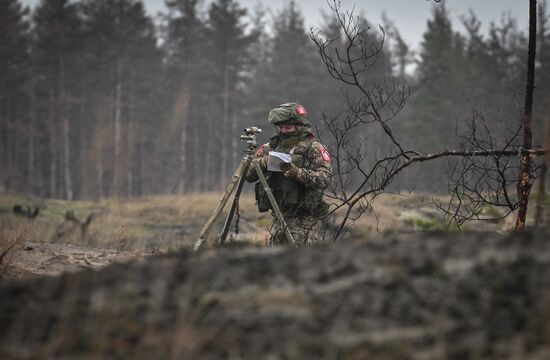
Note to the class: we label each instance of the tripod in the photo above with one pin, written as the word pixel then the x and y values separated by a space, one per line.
pixel 237 182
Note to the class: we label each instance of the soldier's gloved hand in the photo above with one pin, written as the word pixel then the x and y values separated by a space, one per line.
pixel 262 161
pixel 289 169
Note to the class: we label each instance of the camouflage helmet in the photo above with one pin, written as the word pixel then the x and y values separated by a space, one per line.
pixel 289 114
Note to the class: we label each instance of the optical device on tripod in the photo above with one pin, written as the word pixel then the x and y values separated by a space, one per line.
pixel 236 185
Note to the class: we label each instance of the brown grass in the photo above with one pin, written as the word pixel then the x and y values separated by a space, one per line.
pixel 148 224
pixel 10 246
pixel 164 223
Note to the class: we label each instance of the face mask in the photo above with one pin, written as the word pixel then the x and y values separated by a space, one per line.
pixel 288 135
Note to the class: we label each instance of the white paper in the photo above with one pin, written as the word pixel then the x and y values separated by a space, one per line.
pixel 276 159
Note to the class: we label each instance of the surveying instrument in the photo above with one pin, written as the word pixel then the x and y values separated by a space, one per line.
pixel 237 182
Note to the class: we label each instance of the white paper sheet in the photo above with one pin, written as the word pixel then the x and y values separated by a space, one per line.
pixel 276 158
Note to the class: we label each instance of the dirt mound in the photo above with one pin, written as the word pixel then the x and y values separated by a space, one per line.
pixel 40 258
pixel 426 296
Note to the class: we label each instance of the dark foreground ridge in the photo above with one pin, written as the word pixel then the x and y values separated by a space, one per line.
pixel 421 297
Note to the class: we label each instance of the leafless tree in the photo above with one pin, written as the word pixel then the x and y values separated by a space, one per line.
pixel 484 170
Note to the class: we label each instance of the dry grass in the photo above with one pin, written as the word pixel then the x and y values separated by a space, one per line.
pixel 9 246
pixel 163 223
pixel 259 237
pixel 149 224
pixel 415 212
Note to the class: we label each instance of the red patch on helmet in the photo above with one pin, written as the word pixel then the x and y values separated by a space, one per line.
pixel 260 150
pixel 300 110
pixel 325 154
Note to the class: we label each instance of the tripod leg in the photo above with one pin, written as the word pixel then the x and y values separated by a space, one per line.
pixel 234 205
pixel 230 187
pixel 273 202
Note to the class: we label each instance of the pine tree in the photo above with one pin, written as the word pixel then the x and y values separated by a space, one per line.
pixel 56 31
pixel 294 59
pixel 229 58
pixel 258 87
pixel 507 48
pixel 402 54
pixel 124 64
pixel 479 62
pixel 260 61
pixel 435 108
pixel 331 94
pixel 14 62
pixel 542 101
pixel 292 69
pixel 543 72
pixel 184 47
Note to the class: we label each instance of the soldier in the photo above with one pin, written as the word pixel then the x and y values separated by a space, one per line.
pixel 298 187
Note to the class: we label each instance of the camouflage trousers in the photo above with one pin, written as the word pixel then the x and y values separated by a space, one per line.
pixel 306 230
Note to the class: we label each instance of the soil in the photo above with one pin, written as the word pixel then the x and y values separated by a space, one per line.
pixel 405 296
pixel 35 259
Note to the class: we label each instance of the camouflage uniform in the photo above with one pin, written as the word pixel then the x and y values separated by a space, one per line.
pixel 297 190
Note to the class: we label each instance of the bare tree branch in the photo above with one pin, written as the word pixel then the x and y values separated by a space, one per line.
pixel 481 171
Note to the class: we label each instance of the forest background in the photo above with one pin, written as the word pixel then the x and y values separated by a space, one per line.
pixel 97 100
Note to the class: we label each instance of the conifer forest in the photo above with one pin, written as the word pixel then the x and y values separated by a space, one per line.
pixel 100 99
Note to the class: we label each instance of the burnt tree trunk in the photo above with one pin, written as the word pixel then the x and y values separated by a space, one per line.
pixel 524 187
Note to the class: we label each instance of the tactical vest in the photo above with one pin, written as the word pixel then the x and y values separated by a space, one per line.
pixel 291 195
